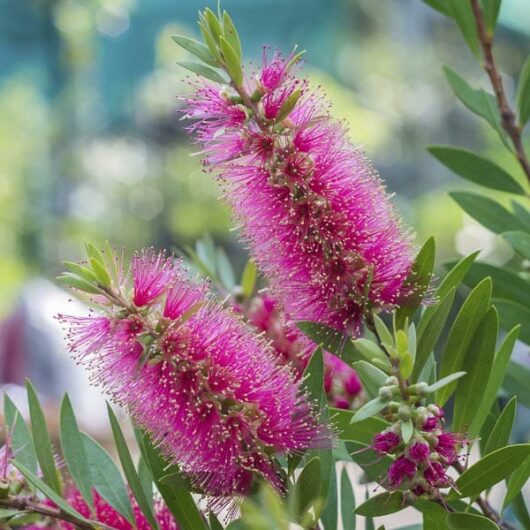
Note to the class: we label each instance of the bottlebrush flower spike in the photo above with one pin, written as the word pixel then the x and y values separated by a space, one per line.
pixel 210 392
pixel 315 214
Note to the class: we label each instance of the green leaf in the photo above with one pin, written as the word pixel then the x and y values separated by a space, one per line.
pixel 43 448
pixel 203 71
pixel 84 272
pixel 307 488
pixel 478 101
pixel 127 464
pixel 225 270
pixel 370 350
pixel 516 482
pixel 522 213
pixel 491 469
pixel 175 494
pixel 214 522
pixel 440 5
pixel 196 48
pixel 329 516
pixel 516 382
pixel 369 409
pixel 520 509
pixel 523 93
pixel 419 280
pixel 21 439
pixel 462 13
pixel 506 284
pixel 330 339
pixel 476 169
pixel 363 431
pixel 74 452
pixel 230 33
pixel 491 10
pixel 445 381
pixel 374 466
pixel 72 280
pixel 514 314
pixel 232 62
pixel 520 241
pixel 347 502
pixel 106 478
pixel 51 494
pixel 214 25
pixel 146 479
pixel 384 334
pixel 464 326
pixel 407 429
pixel 487 212
pixel 288 105
pixel 101 273
pixel 313 377
pixel 465 521
pixel 372 377
pixel 498 370
pixel 382 504
pixel 248 280
pixel 477 363
pixel 429 330
pixel 500 435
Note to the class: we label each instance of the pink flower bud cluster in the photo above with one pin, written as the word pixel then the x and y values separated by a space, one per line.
pixel 421 464
pixel 211 393
pixel 104 513
pixel 341 382
pixel 315 214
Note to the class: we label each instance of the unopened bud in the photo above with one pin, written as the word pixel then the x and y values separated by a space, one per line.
pixel 392 380
pixel 4 489
pixel 419 389
pixel 404 412
pixel 385 393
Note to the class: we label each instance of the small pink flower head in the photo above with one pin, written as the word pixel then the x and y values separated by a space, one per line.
pixel 342 403
pixel 315 214
pixel 447 446
pixel 401 470
pixel 418 452
pixel 107 515
pixel 385 442
pixel 211 393
pixel 152 273
pixel 353 385
pixel 436 476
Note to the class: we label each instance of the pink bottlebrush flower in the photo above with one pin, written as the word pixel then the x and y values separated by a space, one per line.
pixel 447 446
pixel 341 382
pixel 318 220
pixel 210 392
pixel 152 274
pixel 104 513
pixel 385 442
pixel 418 452
pixel 436 476
pixel 401 470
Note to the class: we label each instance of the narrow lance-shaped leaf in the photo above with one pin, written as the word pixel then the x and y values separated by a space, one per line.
pixel 369 409
pixel 477 363
pixel 491 469
pixel 20 435
pixel 462 13
pixel 106 478
pixel 445 381
pixel 232 63
pixel 347 501
pixel 330 339
pixel 231 35
pixel 465 521
pixel 500 435
pixel 514 314
pixel 476 169
pixel 203 71
pixel 372 377
pixel 466 322
pixel 196 48
pixel 129 469
pixel 500 363
pixel 487 212
pixel 248 280
pixel 382 504
pixel 523 93
pixel 43 448
pixel 307 488
pixel 520 241
pixel 329 516
pixel 516 482
pixel 491 10
pixel 74 451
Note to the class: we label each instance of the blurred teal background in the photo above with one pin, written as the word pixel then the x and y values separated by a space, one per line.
pixel 91 146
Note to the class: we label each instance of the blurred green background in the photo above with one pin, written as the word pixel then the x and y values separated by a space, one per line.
pixel 91 145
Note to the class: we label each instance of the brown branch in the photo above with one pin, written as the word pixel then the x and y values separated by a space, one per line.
pixel 508 117
pixel 29 506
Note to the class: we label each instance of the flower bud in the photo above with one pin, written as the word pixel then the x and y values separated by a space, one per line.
pixel 4 489
pixel 404 412
pixel 392 380
pixel 385 393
